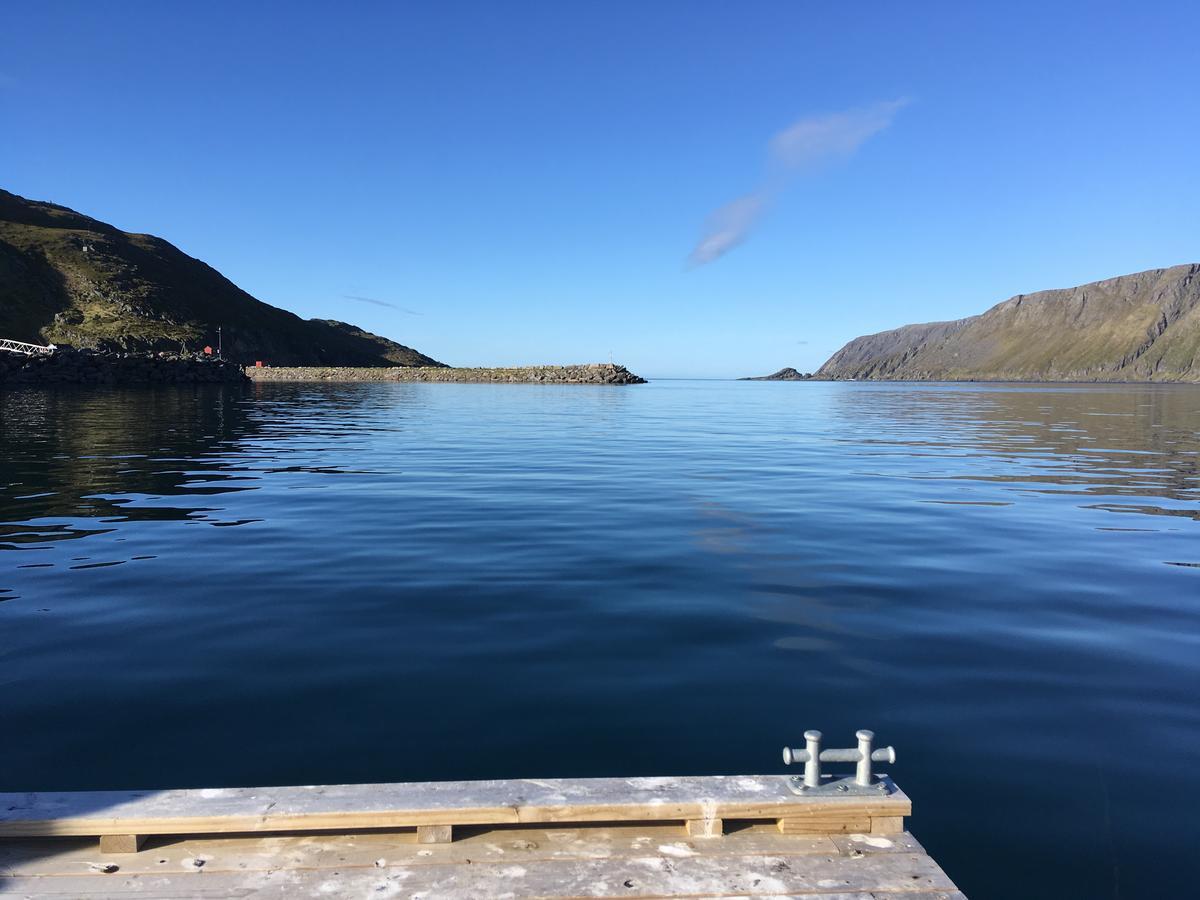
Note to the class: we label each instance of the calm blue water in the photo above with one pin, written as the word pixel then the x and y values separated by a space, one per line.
pixel 300 583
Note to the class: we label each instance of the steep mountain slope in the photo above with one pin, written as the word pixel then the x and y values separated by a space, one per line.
pixel 69 279
pixel 1141 327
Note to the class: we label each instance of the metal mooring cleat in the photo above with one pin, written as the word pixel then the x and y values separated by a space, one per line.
pixel 812 756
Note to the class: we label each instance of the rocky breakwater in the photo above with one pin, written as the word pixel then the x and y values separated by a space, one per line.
pixel 597 373
pixel 68 366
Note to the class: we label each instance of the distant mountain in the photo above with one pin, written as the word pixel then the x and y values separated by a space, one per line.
pixel 784 374
pixel 70 279
pixel 1142 327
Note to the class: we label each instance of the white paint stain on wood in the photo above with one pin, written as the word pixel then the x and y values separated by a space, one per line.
pixel 679 851
pixel 871 841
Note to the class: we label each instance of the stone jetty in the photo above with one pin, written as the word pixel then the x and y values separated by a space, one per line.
pixel 69 366
pixel 597 373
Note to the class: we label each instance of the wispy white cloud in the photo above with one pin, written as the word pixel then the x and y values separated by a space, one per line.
pixel 818 138
pixel 797 150
pixel 728 227
pixel 358 298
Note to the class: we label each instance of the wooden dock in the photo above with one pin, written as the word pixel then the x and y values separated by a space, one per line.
pixel 716 836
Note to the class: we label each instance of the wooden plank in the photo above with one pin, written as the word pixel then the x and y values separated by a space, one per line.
pixel 523 846
pixel 121 843
pixel 651 875
pixel 887 824
pixel 345 807
pixel 825 825
pixel 704 828
pixel 308 887
pixel 856 845
pixel 222 888
pixel 435 834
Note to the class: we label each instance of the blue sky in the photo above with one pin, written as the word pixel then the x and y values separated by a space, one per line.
pixel 525 182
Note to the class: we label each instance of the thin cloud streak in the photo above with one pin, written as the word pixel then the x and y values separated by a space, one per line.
pixel 728 227
pixel 797 150
pixel 360 299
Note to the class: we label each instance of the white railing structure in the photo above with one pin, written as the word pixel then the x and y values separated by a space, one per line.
pixel 27 349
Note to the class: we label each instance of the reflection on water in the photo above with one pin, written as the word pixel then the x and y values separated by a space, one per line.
pixel 1135 441
pixel 297 584
pixel 77 464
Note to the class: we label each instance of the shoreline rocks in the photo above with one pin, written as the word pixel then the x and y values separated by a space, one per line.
pixel 69 366
pixel 596 373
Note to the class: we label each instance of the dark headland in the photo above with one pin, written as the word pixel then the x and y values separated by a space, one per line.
pixel 129 308
pixel 69 279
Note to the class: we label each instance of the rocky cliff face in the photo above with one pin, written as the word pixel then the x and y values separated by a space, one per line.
pixel 72 280
pixel 1141 327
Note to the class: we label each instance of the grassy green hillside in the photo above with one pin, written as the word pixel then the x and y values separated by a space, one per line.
pixel 1140 327
pixel 70 279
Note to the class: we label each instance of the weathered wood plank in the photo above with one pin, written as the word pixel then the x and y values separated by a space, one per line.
pixel 704 828
pixel 825 825
pixel 344 807
pixel 281 887
pixel 435 834
pixel 597 862
pixel 524 846
pixel 659 875
pixel 121 843
pixel 867 844
pixel 887 824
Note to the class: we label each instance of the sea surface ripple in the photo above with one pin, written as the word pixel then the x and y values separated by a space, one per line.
pixel 294 584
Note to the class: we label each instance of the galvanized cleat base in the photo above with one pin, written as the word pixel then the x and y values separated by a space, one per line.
pixel 842 786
